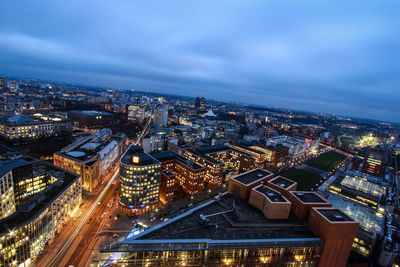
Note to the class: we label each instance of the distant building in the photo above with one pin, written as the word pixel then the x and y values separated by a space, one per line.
pixel 136 113
pixel 91 119
pixel 139 181
pixel 200 104
pixel 21 128
pixel 92 156
pixel 2 83
pixel 160 117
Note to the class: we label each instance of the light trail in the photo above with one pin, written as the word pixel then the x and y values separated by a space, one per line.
pixel 58 257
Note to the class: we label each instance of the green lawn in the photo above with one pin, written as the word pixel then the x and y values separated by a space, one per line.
pixel 302 177
pixel 327 162
pixel 346 140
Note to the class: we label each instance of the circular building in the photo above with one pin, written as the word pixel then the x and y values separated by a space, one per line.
pixel 139 181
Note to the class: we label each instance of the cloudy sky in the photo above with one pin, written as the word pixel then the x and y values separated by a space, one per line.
pixel 340 57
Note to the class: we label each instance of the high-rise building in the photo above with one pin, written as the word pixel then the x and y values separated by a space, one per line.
pixel 139 181
pixel 200 104
pixel 2 83
pixel 136 113
pixel 161 117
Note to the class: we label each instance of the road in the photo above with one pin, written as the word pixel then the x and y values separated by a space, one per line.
pixel 67 251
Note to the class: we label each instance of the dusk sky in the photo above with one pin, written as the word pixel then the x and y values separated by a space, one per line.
pixel 340 57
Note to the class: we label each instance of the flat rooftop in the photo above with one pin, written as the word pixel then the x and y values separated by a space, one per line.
pixel 227 222
pixel 167 172
pixel 282 182
pixel 335 215
pixel 41 200
pixel 309 197
pixel 252 176
pixel 91 113
pixel 144 159
pixel 170 155
pixel 270 194
pixel 204 156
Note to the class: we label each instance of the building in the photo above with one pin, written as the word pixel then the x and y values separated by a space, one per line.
pixel 91 119
pixel 45 197
pixel 139 181
pixel 167 186
pixel 282 185
pixel 260 157
pixel 21 128
pixel 200 104
pixel 92 156
pixel 214 169
pixel 298 146
pixel 230 231
pixel 136 113
pixel 231 157
pixel 242 184
pixel 2 83
pixel 188 174
pixel 160 117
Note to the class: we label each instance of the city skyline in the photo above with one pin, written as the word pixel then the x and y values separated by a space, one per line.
pixel 336 57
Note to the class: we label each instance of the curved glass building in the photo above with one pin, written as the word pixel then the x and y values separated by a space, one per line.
pixel 139 181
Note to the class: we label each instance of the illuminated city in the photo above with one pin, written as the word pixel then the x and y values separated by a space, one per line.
pixel 232 133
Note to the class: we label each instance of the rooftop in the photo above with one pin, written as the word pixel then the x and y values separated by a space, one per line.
pixel 252 176
pixel 334 215
pixel 91 113
pixel 270 194
pixel 143 159
pixel 41 200
pixel 282 182
pixel 309 197
pixel 363 185
pixel 170 155
pixel 227 222
pixel 204 156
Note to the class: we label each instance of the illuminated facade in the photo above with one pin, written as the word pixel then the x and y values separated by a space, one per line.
pixel 139 181
pixel 39 213
pixel 24 128
pixel 214 169
pixel 167 186
pixel 136 113
pixel 188 174
pixel 260 156
pixel 90 157
pixel 7 202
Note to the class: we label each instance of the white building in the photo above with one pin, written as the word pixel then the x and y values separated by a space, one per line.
pixel 161 117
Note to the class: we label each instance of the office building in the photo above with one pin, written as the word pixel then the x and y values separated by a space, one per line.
pixel 21 128
pixel 160 117
pixel 91 156
pixel 136 113
pixel 200 104
pixel 214 169
pixel 2 83
pixel 167 186
pixel 41 198
pixel 139 181
pixel 188 174
pixel 260 157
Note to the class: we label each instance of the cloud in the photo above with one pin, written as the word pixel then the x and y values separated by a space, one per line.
pixel 330 56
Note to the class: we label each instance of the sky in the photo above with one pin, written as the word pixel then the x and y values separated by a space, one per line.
pixel 331 56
